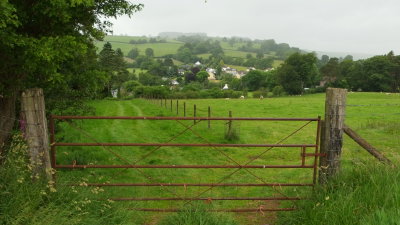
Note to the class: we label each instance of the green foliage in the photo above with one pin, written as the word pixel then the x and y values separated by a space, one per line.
pixel 366 194
pixel 278 91
pixel 297 72
pixel 231 131
pixel 149 79
pixel 133 53
pixel 131 85
pixel 27 198
pixel 254 80
pixel 149 52
pixel 202 76
pixel 261 92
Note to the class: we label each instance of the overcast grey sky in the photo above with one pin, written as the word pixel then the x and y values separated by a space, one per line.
pixel 356 26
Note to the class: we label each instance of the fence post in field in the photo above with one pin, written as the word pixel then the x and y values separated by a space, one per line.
pixel 194 113
pixel 36 131
pixel 184 109
pixel 177 107
pixel 230 123
pixel 209 115
pixel 171 105
pixel 332 132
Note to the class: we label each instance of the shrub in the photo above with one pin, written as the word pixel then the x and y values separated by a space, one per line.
pixel 28 198
pixel 368 193
pixel 278 91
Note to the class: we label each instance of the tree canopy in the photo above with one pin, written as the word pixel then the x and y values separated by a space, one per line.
pixel 43 44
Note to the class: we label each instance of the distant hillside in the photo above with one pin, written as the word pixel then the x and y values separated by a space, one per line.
pixel 173 35
pixel 356 56
pixel 237 51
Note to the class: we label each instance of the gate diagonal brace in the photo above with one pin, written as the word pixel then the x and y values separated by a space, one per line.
pixel 237 170
pixel 123 159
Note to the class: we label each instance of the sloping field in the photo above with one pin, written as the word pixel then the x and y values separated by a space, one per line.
pixel 374 115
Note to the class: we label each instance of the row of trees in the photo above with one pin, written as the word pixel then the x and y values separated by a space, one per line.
pixel 51 46
pixel 145 41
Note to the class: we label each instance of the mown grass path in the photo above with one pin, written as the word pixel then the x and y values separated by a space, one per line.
pixel 374 115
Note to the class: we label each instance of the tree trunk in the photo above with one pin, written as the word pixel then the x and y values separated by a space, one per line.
pixel 7 119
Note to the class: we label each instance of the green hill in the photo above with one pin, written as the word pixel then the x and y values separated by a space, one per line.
pixel 163 47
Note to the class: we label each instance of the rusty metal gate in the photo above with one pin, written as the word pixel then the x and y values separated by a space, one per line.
pixel 306 157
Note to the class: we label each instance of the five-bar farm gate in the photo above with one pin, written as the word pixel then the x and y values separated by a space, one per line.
pixel 173 187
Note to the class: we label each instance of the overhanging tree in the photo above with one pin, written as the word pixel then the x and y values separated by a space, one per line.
pixel 39 38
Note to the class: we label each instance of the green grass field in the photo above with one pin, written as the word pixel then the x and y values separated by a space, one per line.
pixel 170 47
pixel 373 115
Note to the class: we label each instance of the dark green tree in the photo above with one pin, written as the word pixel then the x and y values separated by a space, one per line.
pixel 202 76
pixel 133 53
pixel 254 80
pixel 297 72
pixel 40 39
pixel 149 52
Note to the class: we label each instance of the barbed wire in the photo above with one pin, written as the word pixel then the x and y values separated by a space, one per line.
pixel 353 105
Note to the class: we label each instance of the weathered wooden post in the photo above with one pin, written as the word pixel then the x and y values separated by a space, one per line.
pixel 209 115
pixel 184 109
pixel 332 133
pixel 36 133
pixel 177 107
pixel 230 124
pixel 194 113
pixel 171 105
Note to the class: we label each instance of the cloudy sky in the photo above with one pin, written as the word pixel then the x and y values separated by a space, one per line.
pixel 354 26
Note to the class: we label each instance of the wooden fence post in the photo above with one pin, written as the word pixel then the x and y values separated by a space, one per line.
pixel 194 113
pixel 36 134
pixel 184 109
pixel 171 105
pixel 209 115
pixel 177 107
pixel 332 140
pixel 230 123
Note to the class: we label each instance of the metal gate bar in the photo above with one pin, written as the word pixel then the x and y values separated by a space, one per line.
pixel 302 147
pixel 190 184
pixel 185 166
pixel 209 199
pixel 218 210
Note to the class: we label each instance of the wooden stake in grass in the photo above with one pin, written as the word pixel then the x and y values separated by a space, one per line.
pixel 209 115
pixel 36 134
pixel 335 105
pixel 363 143
pixel 194 113
pixel 184 109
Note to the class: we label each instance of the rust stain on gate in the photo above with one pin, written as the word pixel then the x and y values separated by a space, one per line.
pixel 237 166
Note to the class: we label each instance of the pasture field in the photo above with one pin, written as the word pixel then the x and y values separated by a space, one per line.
pixel 170 47
pixel 375 116
pixel 160 49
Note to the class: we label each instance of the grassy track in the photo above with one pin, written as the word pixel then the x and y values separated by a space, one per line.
pixel 374 115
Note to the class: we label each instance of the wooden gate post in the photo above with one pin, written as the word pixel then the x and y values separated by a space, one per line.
pixel 332 133
pixel 36 133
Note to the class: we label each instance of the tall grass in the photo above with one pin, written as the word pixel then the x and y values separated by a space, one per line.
pixel 197 214
pixel 366 194
pixel 27 198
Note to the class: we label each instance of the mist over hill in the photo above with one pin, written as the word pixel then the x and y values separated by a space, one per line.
pixel 319 53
